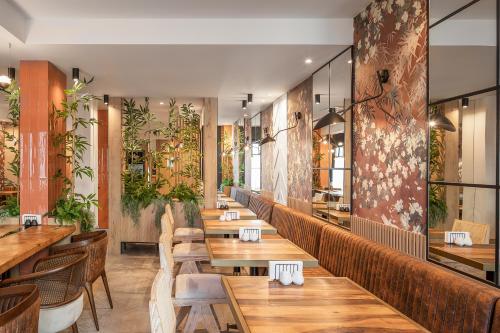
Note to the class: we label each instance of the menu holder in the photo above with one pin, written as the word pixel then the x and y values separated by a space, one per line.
pixel 232 215
pixel 276 267
pixel 250 234
pixel 451 236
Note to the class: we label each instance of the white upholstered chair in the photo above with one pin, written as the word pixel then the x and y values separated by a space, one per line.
pixel 183 235
pixel 161 308
pixel 194 293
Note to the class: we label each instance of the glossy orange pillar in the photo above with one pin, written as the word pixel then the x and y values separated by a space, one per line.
pixel 42 87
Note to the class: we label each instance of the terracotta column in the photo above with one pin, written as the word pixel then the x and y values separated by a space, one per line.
pixel 42 87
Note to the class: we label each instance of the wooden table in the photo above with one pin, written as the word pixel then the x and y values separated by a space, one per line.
pixel 478 256
pixel 234 204
pixel 216 227
pixel 18 247
pixel 230 252
pixel 329 304
pixel 228 199
pixel 9 229
pixel 214 214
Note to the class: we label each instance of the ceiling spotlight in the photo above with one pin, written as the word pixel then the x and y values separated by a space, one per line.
pixel 244 105
pixel 465 102
pixel 308 61
pixel 11 72
pixel 161 103
pixel 106 99
pixel 317 99
pixel 250 98
pixel 76 74
pixel 349 61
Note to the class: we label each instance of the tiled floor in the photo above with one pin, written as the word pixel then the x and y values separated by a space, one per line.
pixel 130 277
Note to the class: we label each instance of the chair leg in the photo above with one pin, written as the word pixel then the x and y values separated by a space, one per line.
pixel 106 286
pixel 201 313
pixel 182 314
pixel 74 328
pixel 90 294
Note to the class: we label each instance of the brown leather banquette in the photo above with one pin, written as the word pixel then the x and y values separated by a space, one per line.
pixel 243 196
pixel 262 207
pixel 301 229
pixel 437 299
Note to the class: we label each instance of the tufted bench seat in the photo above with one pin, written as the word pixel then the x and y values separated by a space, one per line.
pixel 262 207
pixel 301 229
pixel 233 191
pixel 436 298
pixel 243 196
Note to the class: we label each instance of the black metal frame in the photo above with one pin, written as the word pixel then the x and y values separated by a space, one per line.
pixel 495 187
pixel 351 50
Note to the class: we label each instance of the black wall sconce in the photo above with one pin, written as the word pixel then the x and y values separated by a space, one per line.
pixel 268 138
pixel 332 117
pixel 438 120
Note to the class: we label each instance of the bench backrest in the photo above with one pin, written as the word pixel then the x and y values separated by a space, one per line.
pixel 262 207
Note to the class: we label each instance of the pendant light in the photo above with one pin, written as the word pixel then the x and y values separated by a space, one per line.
pixel 250 98
pixel 106 99
pixel 333 117
pixel 244 105
pixel 465 102
pixel 317 99
pixel 6 80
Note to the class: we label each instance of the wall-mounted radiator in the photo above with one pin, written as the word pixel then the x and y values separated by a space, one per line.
pixel 407 242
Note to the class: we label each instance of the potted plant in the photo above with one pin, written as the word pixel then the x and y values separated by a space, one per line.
pixel 438 210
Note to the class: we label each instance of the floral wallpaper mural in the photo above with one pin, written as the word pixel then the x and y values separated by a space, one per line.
pixel 389 176
pixel 300 148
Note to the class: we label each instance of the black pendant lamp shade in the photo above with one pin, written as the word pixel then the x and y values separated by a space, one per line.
pixel 106 99
pixel 331 118
pixel 76 74
pixel 267 139
pixel 440 121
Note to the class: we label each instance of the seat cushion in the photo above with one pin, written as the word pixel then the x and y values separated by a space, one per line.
pixel 181 234
pixel 190 252
pixel 199 286
pixel 59 318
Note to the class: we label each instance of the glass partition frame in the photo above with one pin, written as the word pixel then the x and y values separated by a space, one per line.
pixel 492 279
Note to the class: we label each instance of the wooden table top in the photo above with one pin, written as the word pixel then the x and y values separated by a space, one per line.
pixel 329 304
pixel 216 227
pixel 231 252
pixel 228 199
pixel 234 204
pixel 9 228
pixel 18 247
pixel 214 214
pixel 478 256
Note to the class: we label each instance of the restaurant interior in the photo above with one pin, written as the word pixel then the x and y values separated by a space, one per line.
pixel 277 166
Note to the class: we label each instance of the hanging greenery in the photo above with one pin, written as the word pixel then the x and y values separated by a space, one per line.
pixel 72 207
pixel 139 188
pixel 11 143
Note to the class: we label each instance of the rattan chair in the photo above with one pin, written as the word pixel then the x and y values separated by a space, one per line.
pixel 19 309
pixel 59 279
pixel 96 244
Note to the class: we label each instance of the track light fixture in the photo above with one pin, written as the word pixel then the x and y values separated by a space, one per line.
pixel 465 102
pixel 106 99
pixel 76 74
pixel 244 105
pixel 250 98
pixel 317 99
pixel 268 138
pixel 332 117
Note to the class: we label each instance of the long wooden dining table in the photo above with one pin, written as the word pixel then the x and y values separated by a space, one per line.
pixel 231 252
pixel 214 214
pixel 216 227
pixel 328 304
pixel 20 244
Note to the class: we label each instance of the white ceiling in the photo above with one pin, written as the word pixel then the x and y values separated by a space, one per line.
pixel 191 8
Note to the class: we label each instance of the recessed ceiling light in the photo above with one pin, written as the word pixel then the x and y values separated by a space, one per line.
pixel 161 103
pixel 308 61
pixel 349 61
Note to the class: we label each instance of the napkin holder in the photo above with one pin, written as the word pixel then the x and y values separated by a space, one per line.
pixel 251 232
pixel 222 204
pixel 276 267
pixel 232 214
pixel 451 236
